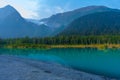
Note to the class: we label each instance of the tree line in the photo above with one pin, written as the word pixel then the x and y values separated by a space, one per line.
pixel 61 40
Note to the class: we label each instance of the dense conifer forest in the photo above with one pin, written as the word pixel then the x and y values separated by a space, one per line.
pixel 61 40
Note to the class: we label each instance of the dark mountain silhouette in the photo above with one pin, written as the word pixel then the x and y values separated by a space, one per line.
pixel 101 23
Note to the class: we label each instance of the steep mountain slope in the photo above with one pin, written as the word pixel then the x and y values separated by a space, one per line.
pixel 102 23
pixel 12 25
pixel 59 21
pixel 3 11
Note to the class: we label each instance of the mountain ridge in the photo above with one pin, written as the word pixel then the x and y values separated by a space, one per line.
pixel 100 23
pixel 17 26
pixel 76 11
pixel 12 25
pixel 61 20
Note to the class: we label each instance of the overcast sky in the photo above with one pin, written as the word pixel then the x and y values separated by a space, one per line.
pixel 38 9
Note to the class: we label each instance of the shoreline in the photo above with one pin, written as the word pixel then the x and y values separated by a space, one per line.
pixel 99 46
pixel 26 69
pixel 39 46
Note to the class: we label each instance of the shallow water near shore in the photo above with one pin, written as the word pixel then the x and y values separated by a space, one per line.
pixel 103 62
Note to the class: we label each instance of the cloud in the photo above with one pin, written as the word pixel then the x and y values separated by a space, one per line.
pixel 35 9
pixel 46 10
pixel 27 8
pixel 3 3
pixel 58 9
pixel 38 9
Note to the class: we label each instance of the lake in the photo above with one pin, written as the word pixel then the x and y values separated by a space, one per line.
pixel 103 62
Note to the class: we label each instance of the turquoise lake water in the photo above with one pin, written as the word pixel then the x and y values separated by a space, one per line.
pixel 103 62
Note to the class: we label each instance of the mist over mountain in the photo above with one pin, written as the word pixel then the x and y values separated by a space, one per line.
pixel 61 20
pixel 12 25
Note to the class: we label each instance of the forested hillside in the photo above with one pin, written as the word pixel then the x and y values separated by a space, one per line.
pixel 102 23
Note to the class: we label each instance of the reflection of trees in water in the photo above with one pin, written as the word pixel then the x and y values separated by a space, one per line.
pixel 64 52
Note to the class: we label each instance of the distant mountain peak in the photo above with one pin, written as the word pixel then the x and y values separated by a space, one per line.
pixel 8 10
pixel 63 19
pixel 9 7
pixel 98 6
pixel 91 8
pixel 95 6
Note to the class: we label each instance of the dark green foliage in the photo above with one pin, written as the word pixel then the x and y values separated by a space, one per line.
pixel 67 17
pixel 61 40
pixel 60 21
pixel 102 23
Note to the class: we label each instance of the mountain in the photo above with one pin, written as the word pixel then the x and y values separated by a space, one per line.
pixel 100 23
pixel 9 9
pixel 59 21
pixel 12 25
pixel 35 21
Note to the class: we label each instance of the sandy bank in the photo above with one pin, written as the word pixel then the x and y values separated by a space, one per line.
pixel 14 68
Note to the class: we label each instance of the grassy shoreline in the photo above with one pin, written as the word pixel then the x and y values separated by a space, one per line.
pixel 98 46
pixel 39 46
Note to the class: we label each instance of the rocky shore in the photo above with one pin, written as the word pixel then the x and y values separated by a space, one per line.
pixel 14 68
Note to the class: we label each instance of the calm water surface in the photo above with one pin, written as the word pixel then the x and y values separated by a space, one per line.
pixel 103 62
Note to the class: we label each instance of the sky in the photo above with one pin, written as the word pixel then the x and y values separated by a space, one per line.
pixel 38 9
